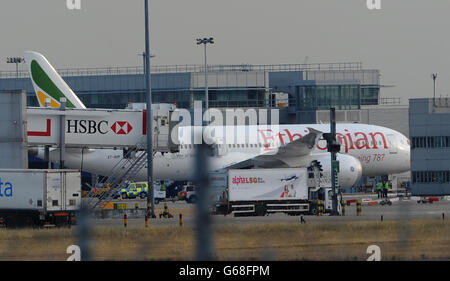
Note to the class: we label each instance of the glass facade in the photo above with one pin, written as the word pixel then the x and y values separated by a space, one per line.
pixel 320 97
pixel 370 94
pixel 430 142
pixel 431 177
pixel 232 97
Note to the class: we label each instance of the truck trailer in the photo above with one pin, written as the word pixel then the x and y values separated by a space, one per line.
pixel 39 197
pixel 259 192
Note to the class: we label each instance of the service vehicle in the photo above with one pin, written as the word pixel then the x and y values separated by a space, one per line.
pixel 188 193
pixel 31 197
pixel 140 189
pixel 260 192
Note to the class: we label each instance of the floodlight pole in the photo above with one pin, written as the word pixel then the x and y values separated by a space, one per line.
pixel 205 41
pixel 15 60
pixel 148 85
pixel 434 76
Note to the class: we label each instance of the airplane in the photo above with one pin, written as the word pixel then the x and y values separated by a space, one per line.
pixel 366 150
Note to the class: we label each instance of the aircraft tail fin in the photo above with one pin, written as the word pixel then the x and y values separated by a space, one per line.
pixel 47 83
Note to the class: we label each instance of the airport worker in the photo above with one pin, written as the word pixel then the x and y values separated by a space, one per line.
pixel 386 188
pixel 379 189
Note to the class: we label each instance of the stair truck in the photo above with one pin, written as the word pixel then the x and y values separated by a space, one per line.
pixel 259 192
pixel 39 197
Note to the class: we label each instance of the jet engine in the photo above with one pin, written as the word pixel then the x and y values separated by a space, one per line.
pixel 350 169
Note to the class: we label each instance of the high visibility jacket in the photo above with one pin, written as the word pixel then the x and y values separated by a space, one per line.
pixel 379 186
pixel 386 186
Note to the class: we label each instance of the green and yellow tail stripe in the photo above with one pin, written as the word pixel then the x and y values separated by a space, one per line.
pixel 47 83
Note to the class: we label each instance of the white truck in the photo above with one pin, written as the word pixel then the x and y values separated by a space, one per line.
pixel 259 192
pixel 39 197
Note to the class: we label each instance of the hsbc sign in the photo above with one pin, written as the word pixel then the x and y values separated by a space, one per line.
pixel 97 127
pixel 91 128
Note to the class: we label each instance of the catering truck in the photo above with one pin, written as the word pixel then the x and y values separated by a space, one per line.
pixel 39 197
pixel 259 192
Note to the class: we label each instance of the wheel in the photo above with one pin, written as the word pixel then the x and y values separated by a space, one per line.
pixel 142 195
pixel 260 210
pixel 124 196
pixel 382 203
pixel 389 203
pixel 313 211
pixel 192 199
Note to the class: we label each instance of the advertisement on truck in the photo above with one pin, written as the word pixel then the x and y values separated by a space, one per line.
pixel 268 184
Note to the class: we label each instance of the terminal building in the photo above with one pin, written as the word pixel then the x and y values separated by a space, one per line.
pixel 429 122
pixel 300 90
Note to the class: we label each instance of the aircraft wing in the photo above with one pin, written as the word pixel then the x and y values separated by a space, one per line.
pixel 297 148
pixel 302 146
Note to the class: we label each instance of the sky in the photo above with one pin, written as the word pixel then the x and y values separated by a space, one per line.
pixel 407 40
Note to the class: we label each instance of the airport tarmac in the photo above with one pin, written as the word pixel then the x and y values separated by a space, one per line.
pixel 400 210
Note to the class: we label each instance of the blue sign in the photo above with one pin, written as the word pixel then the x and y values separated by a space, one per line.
pixel 6 189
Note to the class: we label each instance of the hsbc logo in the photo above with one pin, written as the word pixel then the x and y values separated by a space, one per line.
pixel 121 128
pixel 102 127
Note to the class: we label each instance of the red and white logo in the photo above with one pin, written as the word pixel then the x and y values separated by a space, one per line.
pixel 121 128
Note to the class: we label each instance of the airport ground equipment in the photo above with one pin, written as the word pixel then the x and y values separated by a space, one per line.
pixel 428 199
pixel 359 207
pixel 139 189
pixel 188 193
pixel 126 169
pixel 165 214
pixel 39 197
pixel 259 192
pixel 101 128
pixel 385 201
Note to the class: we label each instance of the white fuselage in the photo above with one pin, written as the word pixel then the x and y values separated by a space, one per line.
pixel 380 150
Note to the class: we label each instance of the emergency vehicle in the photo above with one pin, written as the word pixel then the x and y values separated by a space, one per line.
pixel 140 189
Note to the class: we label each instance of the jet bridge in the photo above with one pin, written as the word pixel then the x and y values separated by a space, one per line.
pixel 94 128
